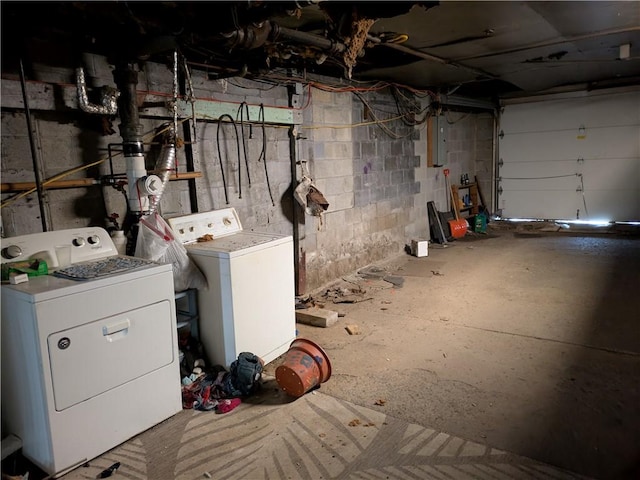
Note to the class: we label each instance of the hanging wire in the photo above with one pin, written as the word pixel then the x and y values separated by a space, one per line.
pixel 191 98
pixel 263 153
pixel 224 183
pixel 241 110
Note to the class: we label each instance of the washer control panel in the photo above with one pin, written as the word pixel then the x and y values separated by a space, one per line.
pixel 213 224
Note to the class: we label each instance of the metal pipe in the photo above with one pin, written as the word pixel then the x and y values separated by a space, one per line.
pixel 131 132
pixel 433 58
pixel 307 38
pixel 298 255
pixel 34 151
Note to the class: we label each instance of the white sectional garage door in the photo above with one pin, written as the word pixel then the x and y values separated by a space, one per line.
pixel 572 158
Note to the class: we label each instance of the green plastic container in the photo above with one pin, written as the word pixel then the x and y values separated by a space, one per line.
pixel 480 223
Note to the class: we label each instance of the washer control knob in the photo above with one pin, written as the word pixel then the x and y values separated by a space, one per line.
pixel 78 241
pixel 94 239
pixel 12 251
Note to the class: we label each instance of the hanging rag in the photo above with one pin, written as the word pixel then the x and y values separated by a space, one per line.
pixel 310 198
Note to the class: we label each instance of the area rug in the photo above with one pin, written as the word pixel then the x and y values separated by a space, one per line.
pixel 316 436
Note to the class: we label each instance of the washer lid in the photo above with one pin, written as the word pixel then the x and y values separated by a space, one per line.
pixel 240 243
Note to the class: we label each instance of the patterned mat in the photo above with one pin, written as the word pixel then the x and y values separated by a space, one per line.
pixel 271 436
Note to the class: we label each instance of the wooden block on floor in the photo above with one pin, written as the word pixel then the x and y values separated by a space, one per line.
pixel 353 329
pixel 318 317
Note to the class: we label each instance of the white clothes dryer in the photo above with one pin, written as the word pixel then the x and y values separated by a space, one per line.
pixel 91 362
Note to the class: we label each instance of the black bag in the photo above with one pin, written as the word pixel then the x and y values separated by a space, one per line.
pixel 244 375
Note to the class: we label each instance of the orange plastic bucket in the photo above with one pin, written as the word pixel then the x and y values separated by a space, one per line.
pixel 305 366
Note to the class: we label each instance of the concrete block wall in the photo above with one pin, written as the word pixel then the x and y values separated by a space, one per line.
pixel 376 181
pixel 369 178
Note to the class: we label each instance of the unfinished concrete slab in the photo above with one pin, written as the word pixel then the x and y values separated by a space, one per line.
pixel 526 342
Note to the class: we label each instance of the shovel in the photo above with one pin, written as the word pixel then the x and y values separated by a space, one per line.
pixel 458 226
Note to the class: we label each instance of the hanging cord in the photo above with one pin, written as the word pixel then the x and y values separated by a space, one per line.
pixel 224 183
pixel 263 153
pixel 174 101
pixel 191 98
pixel 584 199
pixel 244 142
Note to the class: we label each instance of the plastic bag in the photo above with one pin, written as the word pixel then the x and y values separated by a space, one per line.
pixel 156 242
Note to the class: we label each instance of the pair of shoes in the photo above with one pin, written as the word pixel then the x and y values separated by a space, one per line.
pixel 227 405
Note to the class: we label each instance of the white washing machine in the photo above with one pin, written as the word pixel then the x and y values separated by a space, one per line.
pixel 249 303
pixel 86 363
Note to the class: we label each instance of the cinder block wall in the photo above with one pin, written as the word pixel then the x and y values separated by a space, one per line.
pixel 369 176
pixel 374 177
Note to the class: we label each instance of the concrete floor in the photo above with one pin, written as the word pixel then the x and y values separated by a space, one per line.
pixel 527 342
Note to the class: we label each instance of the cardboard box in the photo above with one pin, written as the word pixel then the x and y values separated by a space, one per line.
pixel 420 248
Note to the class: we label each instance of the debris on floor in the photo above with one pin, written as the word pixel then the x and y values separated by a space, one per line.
pixel 352 329
pixel 355 422
pixel 395 280
pixel 106 473
pixel 317 317
pixel 372 272
pixel 352 294
pixel 436 273
pixel 380 402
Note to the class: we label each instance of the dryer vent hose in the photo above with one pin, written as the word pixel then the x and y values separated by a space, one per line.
pixel 164 165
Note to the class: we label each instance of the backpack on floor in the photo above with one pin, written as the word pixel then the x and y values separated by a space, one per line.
pixel 244 375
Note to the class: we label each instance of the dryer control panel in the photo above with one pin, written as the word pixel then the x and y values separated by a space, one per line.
pixel 215 223
pixel 77 245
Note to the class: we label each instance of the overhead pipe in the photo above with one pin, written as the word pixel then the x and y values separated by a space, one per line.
pixel 256 35
pixel 34 151
pixel 307 38
pixel 431 58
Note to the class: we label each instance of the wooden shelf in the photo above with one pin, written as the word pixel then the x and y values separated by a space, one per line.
pixel 474 196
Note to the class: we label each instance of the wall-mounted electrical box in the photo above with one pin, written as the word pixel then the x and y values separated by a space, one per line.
pixel 436 141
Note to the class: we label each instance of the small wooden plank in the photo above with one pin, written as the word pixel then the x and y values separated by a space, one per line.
pixel 318 317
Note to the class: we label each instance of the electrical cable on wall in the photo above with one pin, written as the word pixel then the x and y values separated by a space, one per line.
pixel 224 182
pixel 241 112
pixel 263 153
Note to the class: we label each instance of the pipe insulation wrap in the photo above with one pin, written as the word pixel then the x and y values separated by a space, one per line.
pixel 164 165
pixel 109 97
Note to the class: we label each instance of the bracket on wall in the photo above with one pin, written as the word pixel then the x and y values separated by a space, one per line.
pixel 213 110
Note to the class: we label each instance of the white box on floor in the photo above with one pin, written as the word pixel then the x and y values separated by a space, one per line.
pixel 420 248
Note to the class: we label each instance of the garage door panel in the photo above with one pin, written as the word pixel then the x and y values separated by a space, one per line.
pixel 554 115
pixel 610 142
pixel 525 147
pixel 527 117
pixel 542 141
pixel 526 175
pixel 615 174
pixel 565 145
pixel 544 204
pixel 613 109
pixel 600 204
